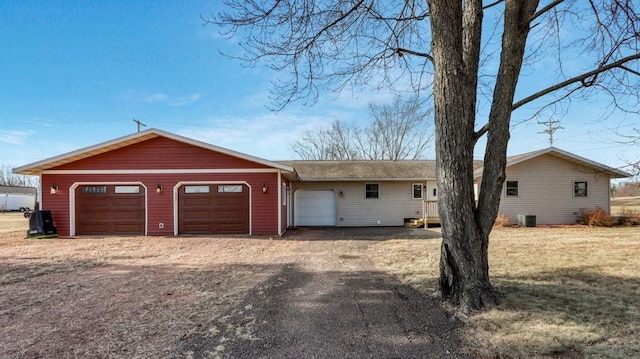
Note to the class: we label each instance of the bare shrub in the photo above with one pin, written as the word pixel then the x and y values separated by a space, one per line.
pixel 502 220
pixel 595 217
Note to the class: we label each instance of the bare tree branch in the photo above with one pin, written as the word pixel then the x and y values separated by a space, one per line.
pixel 544 10
pixel 586 80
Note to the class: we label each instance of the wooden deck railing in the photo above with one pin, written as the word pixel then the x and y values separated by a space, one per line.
pixel 430 210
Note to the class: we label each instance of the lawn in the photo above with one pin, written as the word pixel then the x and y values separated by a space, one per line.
pixel 565 292
pixel 625 205
pixel 13 222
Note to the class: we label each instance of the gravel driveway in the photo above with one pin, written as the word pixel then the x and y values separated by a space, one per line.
pixel 330 302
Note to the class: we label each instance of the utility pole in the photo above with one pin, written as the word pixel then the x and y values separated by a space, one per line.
pixel 139 124
pixel 551 128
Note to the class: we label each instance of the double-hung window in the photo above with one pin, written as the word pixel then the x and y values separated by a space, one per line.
pixel 371 190
pixel 511 189
pixel 417 191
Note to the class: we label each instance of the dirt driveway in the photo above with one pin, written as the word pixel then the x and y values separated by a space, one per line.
pixel 156 297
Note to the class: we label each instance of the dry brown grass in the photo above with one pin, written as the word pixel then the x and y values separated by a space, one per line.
pixel 566 292
pixel 13 222
pixel 620 204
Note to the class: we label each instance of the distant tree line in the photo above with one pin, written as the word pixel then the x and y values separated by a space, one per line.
pixel 8 178
pixel 626 189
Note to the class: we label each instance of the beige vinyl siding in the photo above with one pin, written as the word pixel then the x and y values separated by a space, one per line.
pixel 545 189
pixel 394 204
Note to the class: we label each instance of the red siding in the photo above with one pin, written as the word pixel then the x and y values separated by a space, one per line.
pixel 159 153
pixel 264 210
pixel 264 205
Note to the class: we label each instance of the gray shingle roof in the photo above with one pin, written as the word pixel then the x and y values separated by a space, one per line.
pixel 415 170
pixel 363 170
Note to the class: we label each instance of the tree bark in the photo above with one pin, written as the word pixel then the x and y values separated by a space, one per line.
pixel 456 32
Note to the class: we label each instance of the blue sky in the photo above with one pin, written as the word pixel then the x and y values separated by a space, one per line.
pixel 76 73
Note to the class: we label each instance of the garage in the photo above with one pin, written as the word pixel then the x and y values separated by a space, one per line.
pixel 110 209
pixel 315 208
pixel 213 209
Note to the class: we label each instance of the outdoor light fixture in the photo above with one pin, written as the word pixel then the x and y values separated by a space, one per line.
pixel 159 188
pixel 341 194
pixel 54 189
pixel 264 188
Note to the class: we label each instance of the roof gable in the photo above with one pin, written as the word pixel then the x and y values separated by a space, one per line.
pixel 114 152
pixel 567 156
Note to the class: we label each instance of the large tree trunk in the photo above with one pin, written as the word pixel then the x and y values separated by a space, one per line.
pixel 464 263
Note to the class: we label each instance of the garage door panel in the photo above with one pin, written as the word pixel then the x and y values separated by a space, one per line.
pixel 197 228
pixel 96 228
pixel 102 210
pixel 315 208
pixel 229 228
pixel 210 211
pixel 127 202
pixel 127 228
pixel 193 215
pixel 230 214
pixel 195 202
pixel 93 215
pixel 128 215
pixel 98 201
pixel 230 201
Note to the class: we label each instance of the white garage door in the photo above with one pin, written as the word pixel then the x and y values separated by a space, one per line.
pixel 315 208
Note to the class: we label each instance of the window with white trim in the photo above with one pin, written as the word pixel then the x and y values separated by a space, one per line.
pixel 371 190
pixel 416 192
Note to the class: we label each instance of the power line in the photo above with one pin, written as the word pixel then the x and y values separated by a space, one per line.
pixel 599 131
pixel 551 128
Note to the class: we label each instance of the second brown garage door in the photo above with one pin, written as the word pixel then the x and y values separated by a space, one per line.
pixel 213 209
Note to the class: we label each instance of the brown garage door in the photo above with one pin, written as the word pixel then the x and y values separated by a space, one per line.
pixel 213 208
pixel 112 209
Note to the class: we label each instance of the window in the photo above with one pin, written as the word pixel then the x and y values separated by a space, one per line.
pixel 196 189
pixel 236 188
pixel 512 189
pixel 417 191
pixel 94 189
pixel 580 189
pixel 371 190
pixel 284 193
pixel 127 189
